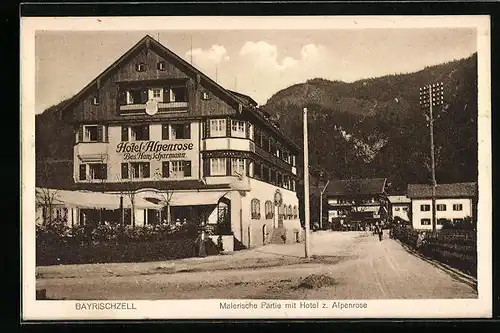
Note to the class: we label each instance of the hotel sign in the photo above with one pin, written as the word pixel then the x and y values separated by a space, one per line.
pixel 153 150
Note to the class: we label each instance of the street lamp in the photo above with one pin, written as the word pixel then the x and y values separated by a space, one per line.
pixel 432 96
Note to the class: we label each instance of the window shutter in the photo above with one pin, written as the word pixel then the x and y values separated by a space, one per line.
pixel 99 134
pixel 164 131
pixel 187 168
pixel 165 169
pixel 144 96
pixel 123 98
pixel 187 131
pixel 83 172
pixel 206 167
pixel 124 133
pixel 80 133
pixel 247 130
pixel 228 127
pixel 125 171
pixel 106 133
pixel 104 171
pixel 248 162
pixel 207 128
pixel 228 166
pixel 147 132
pixel 166 95
pixel 145 172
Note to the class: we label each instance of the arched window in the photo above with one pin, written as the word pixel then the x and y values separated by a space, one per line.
pixel 295 212
pixel 269 210
pixel 255 209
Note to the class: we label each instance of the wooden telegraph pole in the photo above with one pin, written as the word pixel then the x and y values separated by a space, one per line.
pixel 432 96
pixel 306 187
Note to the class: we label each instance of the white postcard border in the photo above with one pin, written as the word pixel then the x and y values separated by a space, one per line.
pixel 209 309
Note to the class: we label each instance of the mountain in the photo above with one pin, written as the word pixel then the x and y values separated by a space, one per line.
pixel 376 127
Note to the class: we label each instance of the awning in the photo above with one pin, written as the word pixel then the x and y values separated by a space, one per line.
pixel 176 199
pixel 90 200
pixel 196 198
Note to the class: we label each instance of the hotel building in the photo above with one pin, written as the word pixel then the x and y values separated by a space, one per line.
pixel 153 125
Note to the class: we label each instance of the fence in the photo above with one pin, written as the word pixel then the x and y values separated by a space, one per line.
pixel 456 248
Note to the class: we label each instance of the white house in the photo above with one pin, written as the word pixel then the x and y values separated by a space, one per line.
pixel 399 207
pixel 453 201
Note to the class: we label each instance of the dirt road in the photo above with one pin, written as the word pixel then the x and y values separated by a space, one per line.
pixel 344 266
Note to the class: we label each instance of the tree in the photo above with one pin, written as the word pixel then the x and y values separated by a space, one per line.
pixel 45 197
pixel 165 194
pixel 127 191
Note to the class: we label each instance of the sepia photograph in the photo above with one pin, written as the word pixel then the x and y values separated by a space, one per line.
pixel 253 168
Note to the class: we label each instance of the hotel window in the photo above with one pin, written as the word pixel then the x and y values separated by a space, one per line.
pixel 98 171
pixel 458 207
pixel 180 169
pixel 217 166
pixel 441 207
pixel 90 133
pixel 125 173
pixel 140 132
pixel 205 95
pixel 140 67
pixel 95 99
pixel 180 131
pixel 295 212
pixel 139 170
pixel 217 127
pixel 405 209
pixel 293 185
pixel 237 166
pixel 425 222
pixel 156 94
pixel 265 174
pixel 269 208
pixel 425 208
pixel 137 96
pixel 161 65
pixel 273 177
pixel 440 221
pixel 396 209
pixel 178 94
pixel 257 136
pixel 458 220
pixel 255 209
pixel 257 170
pixel 238 128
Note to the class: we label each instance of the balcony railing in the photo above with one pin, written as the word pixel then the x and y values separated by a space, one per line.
pixel 270 157
pixel 162 107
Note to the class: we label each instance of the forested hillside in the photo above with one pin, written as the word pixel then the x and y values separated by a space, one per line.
pixel 376 127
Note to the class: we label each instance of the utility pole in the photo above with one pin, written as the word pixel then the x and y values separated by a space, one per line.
pixel 431 96
pixel 306 187
pixel 321 205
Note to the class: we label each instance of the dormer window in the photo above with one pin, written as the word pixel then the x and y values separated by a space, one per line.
pixel 161 66
pixel 141 67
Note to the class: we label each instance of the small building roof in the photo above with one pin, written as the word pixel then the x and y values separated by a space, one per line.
pixel 455 190
pixel 356 187
pixel 399 199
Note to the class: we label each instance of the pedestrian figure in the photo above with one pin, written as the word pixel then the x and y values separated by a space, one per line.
pixel 380 233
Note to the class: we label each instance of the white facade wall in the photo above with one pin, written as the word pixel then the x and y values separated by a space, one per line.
pixel 449 213
pixel 401 210
pixel 115 159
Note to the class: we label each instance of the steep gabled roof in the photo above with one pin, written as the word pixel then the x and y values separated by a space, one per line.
pixel 356 187
pixel 455 190
pixel 235 98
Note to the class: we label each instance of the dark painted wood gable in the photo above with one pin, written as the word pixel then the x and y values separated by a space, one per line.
pixel 107 88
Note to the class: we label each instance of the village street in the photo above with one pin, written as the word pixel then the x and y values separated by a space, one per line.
pixel 344 265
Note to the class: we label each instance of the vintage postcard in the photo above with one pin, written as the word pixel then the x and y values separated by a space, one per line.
pixel 256 167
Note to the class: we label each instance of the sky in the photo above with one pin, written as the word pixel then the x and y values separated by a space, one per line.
pixel 258 63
